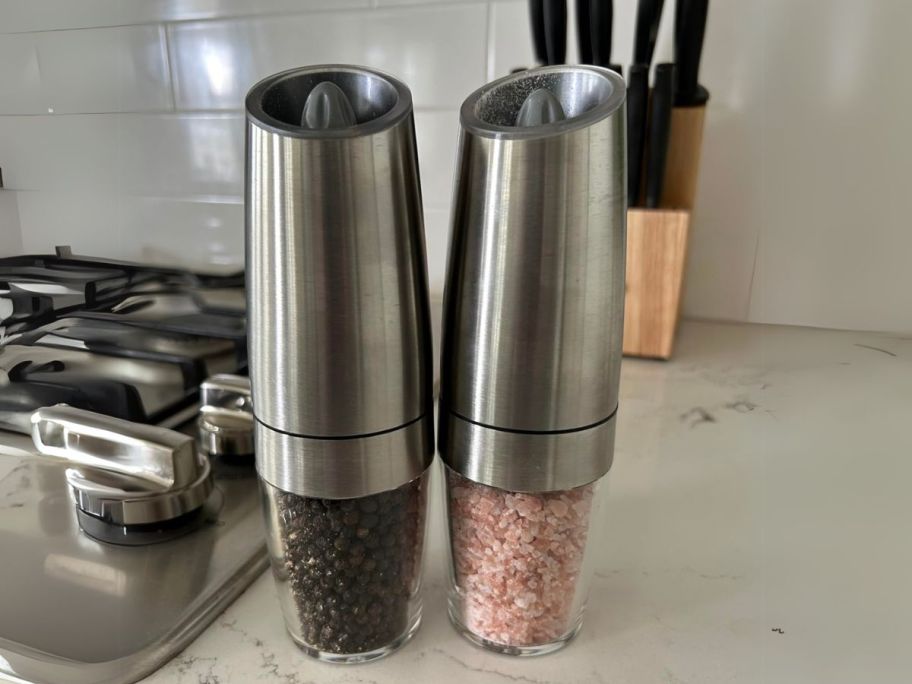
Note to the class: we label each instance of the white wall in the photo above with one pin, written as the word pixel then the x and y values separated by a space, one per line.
pixel 10 231
pixel 121 132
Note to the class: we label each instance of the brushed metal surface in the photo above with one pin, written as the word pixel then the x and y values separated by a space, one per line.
pixel 122 472
pixel 80 611
pixel 226 416
pixel 225 432
pixel 226 390
pixel 157 459
pixel 345 468
pixel 527 461
pixel 337 281
pixel 158 384
pixel 534 299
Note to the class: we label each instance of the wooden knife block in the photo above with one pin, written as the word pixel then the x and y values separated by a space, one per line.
pixel 657 245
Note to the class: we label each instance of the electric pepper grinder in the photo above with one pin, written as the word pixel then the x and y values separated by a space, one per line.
pixel 340 353
pixel 533 323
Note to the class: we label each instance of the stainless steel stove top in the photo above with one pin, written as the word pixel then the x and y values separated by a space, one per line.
pixel 77 610
pixel 126 348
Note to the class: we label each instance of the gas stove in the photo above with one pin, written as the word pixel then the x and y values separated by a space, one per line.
pixel 129 504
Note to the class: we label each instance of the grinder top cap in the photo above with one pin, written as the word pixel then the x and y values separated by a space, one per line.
pixel 327 106
pixel 328 101
pixel 543 102
pixel 540 108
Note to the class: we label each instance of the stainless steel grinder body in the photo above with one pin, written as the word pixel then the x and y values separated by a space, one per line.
pixel 339 354
pixel 337 289
pixel 533 321
pixel 534 302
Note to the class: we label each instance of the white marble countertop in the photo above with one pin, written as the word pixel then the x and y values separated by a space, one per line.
pixel 758 530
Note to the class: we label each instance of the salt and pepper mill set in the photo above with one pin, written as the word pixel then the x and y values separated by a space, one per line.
pixel 340 352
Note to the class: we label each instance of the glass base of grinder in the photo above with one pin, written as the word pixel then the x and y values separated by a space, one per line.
pixel 506 649
pixel 348 571
pixel 367 656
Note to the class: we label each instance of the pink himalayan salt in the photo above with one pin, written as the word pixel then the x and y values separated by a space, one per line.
pixel 558 507
pixel 517 558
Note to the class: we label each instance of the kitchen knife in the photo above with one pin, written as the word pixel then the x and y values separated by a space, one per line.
pixel 637 97
pixel 649 12
pixel 537 19
pixel 549 30
pixel 659 131
pixel 601 17
pixel 690 27
pixel 556 30
pixel 583 32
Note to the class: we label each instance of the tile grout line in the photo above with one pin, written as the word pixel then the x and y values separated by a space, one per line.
pixel 172 80
pixel 38 59
pixel 198 20
pixel 747 318
pixel 228 200
pixel 750 286
pixel 489 45
pixel 373 4
pixel 224 113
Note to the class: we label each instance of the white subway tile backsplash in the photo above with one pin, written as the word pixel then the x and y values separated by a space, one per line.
pixel 170 155
pixel 20 77
pixel 510 38
pixel 437 232
pixel 114 170
pixel 831 168
pixel 188 233
pixel 394 3
pixel 195 234
pixel 10 230
pixel 724 231
pixel 96 70
pixel 438 52
pixel 437 133
pixel 86 221
pixel 58 153
pixel 182 155
pixel 98 209
pixel 45 15
pixel 191 155
pixel 121 69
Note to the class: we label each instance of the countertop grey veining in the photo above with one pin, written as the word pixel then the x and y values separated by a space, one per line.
pixel 757 531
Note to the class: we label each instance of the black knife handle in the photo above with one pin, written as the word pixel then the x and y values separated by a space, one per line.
pixel 637 98
pixel 601 18
pixel 583 31
pixel 556 31
pixel 649 12
pixel 537 21
pixel 690 27
pixel 659 132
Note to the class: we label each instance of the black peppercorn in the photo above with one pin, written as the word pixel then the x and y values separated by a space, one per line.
pixel 352 565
